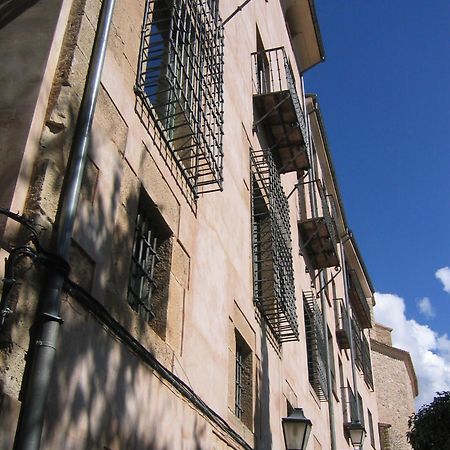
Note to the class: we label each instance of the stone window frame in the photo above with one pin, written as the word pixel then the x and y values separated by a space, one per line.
pixel 240 331
pixel 243 381
pixel 151 270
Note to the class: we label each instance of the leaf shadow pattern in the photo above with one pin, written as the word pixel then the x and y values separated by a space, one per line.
pixel 105 397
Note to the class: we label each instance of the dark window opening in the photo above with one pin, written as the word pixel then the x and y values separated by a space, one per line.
pixel 243 394
pixel 150 265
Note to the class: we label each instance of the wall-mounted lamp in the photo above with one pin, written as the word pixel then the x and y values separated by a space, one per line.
pixel 357 433
pixel 296 430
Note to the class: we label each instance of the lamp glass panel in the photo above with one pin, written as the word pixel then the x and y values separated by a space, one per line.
pixel 357 436
pixel 296 434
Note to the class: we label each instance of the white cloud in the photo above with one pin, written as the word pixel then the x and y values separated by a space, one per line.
pixel 425 307
pixel 429 351
pixel 443 275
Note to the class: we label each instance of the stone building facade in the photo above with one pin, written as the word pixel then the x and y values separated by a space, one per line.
pixel 396 387
pixel 214 284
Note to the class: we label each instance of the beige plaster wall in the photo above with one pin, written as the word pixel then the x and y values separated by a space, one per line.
pixel 102 395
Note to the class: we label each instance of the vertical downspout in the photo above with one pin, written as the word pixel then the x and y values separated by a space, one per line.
pixel 324 305
pixel 350 326
pixel 323 301
pixel 29 429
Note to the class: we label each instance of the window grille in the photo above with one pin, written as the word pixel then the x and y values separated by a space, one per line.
pixel 150 262
pixel 238 406
pixel 243 382
pixel 357 343
pixel 366 362
pixel 180 80
pixel 358 299
pixel 315 346
pixel 274 292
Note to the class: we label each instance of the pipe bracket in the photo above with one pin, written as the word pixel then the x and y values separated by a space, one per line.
pixel 53 318
pixel 45 344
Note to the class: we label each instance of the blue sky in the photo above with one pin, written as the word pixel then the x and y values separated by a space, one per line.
pixel 384 93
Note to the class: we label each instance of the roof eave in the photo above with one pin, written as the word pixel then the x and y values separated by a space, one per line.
pixel 301 18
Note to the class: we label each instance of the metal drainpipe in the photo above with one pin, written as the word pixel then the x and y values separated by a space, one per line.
pixel 29 429
pixel 324 305
pixel 323 301
pixel 350 326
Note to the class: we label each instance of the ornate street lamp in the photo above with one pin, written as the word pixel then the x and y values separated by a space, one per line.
pixel 296 429
pixel 357 433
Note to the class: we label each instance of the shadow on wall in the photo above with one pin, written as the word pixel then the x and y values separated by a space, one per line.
pixel 163 148
pixel 10 9
pixel 262 427
pixel 103 396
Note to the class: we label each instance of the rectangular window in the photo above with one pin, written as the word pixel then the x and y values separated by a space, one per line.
pixel 150 264
pixel 243 385
pixel 180 82
pixel 144 259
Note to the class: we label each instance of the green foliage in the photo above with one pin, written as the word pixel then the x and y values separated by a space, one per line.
pixel 429 428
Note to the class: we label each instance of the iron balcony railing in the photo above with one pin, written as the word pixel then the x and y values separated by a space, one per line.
pixel 362 353
pixel 315 346
pixel 342 324
pixel 366 362
pixel 317 228
pixel 357 343
pixel 273 274
pixel 180 85
pixel 358 300
pixel 280 110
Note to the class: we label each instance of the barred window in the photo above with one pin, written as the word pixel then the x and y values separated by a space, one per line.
pixel 150 265
pixel 180 80
pixel 243 386
pixel 315 346
pixel 273 275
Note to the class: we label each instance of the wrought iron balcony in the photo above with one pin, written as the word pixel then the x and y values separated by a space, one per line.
pixel 362 353
pixel 366 363
pixel 342 324
pixel 315 346
pixel 358 300
pixel 273 274
pixel 357 344
pixel 279 110
pixel 316 226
